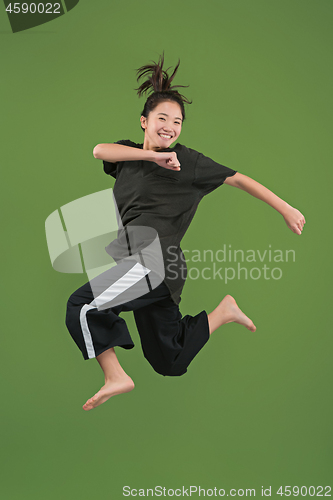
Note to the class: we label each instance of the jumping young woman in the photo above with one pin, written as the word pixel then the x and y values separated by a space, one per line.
pixel 159 187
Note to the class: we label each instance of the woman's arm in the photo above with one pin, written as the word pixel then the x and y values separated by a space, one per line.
pixel 117 152
pixel 293 217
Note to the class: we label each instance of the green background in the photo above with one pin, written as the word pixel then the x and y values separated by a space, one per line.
pixel 254 409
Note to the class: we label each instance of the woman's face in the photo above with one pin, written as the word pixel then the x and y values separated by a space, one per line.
pixel 163 125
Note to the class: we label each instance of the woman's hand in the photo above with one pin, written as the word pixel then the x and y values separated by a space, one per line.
pixel 167 160
pixel 293 217
pixel 294 220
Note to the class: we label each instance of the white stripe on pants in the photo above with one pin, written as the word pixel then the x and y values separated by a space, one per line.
pixel 121 285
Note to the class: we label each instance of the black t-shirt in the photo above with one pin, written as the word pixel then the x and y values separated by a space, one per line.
pixel 166 200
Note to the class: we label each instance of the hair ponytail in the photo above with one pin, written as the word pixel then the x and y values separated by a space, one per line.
pixel 158 83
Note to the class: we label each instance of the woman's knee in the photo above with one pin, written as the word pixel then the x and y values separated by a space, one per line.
pixel 171 370
pixel 73 308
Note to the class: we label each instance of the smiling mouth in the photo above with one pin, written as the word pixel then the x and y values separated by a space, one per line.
pixel 165 136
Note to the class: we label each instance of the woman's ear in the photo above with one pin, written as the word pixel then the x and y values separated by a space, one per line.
pixel 143 120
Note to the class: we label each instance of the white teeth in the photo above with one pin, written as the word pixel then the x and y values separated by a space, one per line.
pixel 165 136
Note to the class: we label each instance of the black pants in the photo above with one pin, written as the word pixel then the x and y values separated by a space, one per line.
pixel 169 342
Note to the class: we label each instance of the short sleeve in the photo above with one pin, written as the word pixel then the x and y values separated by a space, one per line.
pixel 209 175
pixel 111 168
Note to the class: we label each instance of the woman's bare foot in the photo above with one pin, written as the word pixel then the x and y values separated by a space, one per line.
pixel 111 388
pixel 116 380
pixel 226 312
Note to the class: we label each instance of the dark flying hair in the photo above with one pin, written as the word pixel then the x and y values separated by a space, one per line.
pixel 159 82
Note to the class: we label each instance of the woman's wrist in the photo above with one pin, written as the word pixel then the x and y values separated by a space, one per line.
pixel 117 152
pixel 149 155
pixel 283 208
